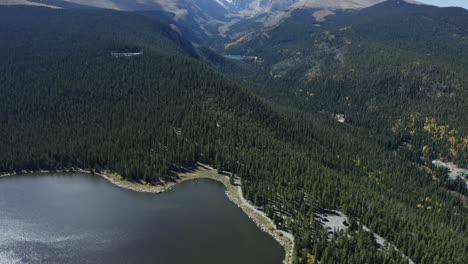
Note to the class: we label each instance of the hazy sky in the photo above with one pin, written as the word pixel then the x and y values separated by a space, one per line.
pixel 462 3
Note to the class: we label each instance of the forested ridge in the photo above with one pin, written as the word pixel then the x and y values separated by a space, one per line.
pixel 381 67
pixel 67 102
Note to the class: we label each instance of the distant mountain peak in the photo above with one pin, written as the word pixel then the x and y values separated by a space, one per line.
pixel 208 16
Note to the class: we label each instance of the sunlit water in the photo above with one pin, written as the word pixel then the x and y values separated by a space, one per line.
pixel 76 218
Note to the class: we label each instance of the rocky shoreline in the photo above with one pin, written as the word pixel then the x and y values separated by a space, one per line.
pixel 233 192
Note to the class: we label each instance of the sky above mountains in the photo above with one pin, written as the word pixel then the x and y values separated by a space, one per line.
pixel 461 3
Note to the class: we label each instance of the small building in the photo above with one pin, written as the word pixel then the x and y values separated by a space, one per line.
pixel 340 118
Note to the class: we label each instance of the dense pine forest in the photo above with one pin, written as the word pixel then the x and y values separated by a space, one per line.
pixel 395 68
pixel 68 102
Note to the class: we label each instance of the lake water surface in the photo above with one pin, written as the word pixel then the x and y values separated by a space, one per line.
pixel 78 218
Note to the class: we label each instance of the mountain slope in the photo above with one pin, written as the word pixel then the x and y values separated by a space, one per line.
pixel 380 66
pixel 207 18
pixel 72 98
pixel 79 101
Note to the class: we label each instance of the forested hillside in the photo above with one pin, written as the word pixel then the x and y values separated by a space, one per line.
pixel 395 68
pixel 71 98
pixel 85 106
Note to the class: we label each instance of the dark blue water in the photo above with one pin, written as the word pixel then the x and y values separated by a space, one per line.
pixel 84 219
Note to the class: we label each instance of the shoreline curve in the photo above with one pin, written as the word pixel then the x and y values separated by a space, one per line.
pixel 202 171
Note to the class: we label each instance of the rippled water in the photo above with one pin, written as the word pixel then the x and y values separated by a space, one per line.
pixel 76 218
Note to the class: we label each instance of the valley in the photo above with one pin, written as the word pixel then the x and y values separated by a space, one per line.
pixel 334 125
